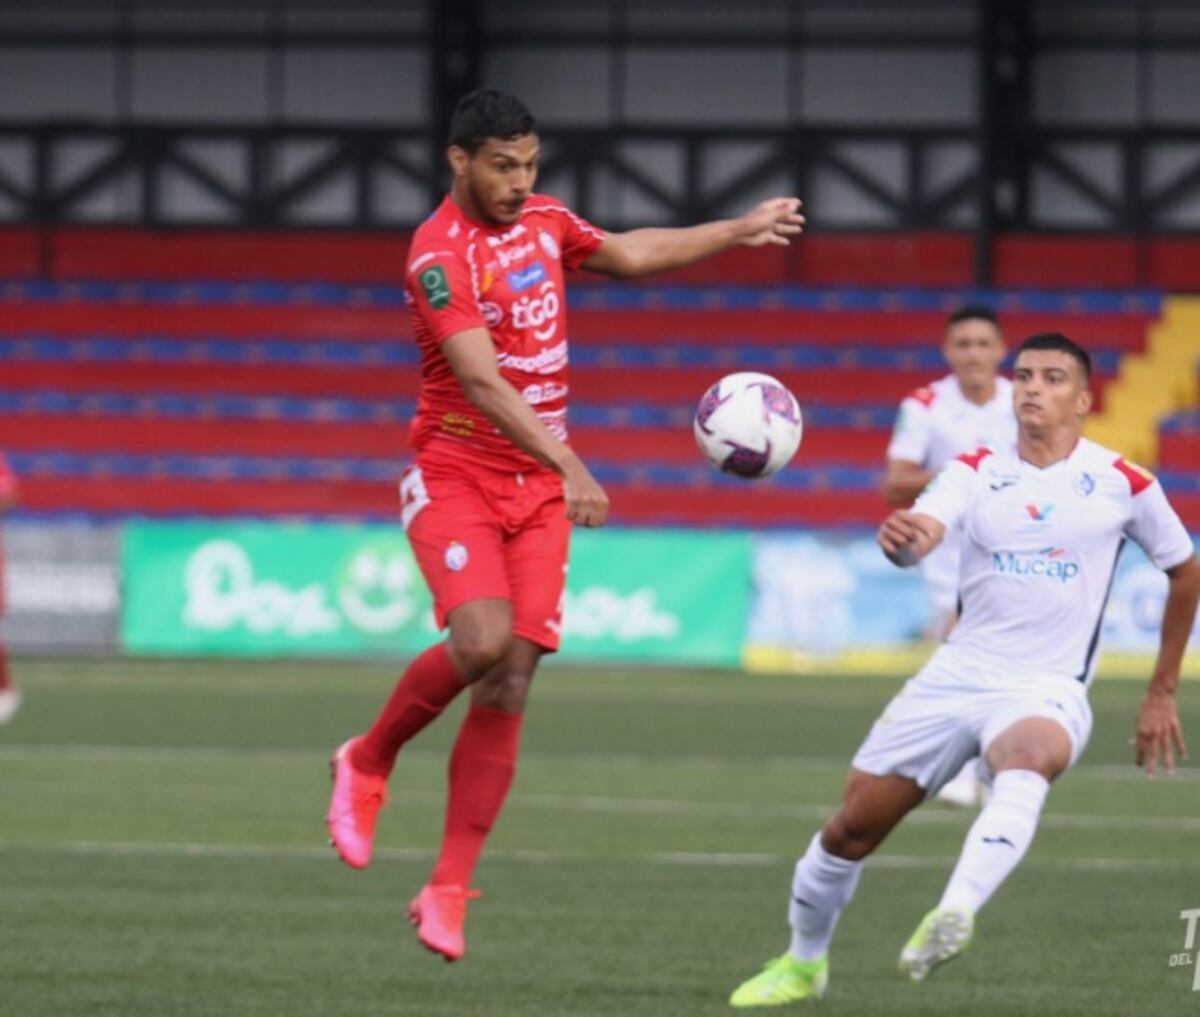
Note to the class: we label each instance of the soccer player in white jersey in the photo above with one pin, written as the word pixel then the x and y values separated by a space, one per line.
pixel 970 408
pixel 1043 523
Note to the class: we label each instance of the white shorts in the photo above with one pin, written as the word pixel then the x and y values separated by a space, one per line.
pixel 956 706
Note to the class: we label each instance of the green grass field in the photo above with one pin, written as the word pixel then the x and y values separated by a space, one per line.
pixel 162 854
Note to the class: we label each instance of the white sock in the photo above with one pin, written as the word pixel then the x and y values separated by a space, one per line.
pixel 997 840
pixel 822 886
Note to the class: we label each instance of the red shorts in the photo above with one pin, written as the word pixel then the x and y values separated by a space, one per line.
pixel 479 533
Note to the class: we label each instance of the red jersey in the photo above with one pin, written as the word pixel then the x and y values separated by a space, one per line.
pixel 508 279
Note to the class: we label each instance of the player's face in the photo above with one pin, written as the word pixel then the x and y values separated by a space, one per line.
pixel 974 350
pixel 498 177
pixel 1049 389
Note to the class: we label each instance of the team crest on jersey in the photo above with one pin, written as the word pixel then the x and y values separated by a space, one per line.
pixel 492 313
pixel 1085 484
pixel 549 245
pixel 456 557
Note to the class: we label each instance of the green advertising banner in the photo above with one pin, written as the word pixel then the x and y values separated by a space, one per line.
pixel 260 588
pixel 269 589
pixel 657 595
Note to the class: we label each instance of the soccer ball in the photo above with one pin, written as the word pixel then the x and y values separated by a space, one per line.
pixel 748 424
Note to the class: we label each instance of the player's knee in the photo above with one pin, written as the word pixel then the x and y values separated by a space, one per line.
pixel 1040 759
pixel 845 838
pixel 477 649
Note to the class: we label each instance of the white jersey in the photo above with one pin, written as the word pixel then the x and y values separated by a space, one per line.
pixel 934 425
pixel 1040 549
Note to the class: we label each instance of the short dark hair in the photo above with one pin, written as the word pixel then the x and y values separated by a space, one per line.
pixel 973 312
pixel 1058 341
pixel 486 113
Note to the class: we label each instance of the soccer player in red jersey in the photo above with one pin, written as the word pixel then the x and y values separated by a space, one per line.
pixel 10 695
pixel 489 503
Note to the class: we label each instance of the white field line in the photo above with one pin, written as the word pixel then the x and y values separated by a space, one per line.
pixel 149 849
pixel 615 761
pixel 706 808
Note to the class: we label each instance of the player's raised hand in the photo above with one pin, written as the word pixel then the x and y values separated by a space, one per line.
pixel 587 504
pixel 1159 733
pixel 773 221
pixel 906 536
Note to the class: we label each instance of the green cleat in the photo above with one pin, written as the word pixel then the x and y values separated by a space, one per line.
pixel 783 980
pixel 942 935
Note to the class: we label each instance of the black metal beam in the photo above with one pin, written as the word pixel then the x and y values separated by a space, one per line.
pixel 1005 53
pixel 456 67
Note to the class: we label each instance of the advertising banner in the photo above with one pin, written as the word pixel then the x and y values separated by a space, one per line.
pixel 267 589
pixel 61 586
pixel 828 602
pixel 260 588
pixel 657 595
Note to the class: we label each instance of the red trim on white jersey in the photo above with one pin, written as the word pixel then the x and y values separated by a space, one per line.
pixel 1139 477
pixel 973 459
pixel 925 396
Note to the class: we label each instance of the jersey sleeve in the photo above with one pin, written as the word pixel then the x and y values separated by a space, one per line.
pixel 1157 529
pixel 580 239
pixel 948 495
pixel 443 289
pixel 912 433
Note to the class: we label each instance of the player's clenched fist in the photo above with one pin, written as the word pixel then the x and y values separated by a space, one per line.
pixel 587 504
pixel 905 536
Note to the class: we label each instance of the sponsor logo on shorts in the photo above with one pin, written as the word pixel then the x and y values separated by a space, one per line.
pixel 436 286
pixel 414 496
pixel 549 245
pixel 1048 563
pixel 526 277
pixel 456 557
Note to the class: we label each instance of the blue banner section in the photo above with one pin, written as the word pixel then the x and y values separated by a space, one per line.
pixel 1135 608
pixel 824 595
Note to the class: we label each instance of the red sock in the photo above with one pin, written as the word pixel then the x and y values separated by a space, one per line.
pixel 422 693
pixel 481 772
pixel 5 677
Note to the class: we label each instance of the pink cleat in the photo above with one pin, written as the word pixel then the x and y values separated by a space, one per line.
pixel 438 912
pixel 353 809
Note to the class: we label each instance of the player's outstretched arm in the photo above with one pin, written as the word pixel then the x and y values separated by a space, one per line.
pixel 643 252
pixel 906 537
pixel 472 356
pixel 1159 732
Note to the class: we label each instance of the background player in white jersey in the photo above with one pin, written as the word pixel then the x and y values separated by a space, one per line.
pixel 1043 524
pixel 970 408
